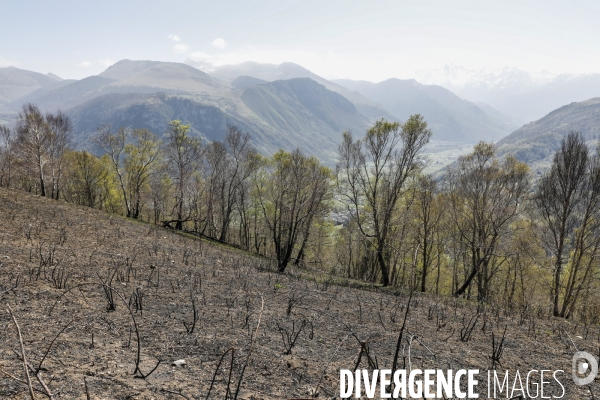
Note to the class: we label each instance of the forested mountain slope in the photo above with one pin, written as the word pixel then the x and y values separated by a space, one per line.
pixel 537 141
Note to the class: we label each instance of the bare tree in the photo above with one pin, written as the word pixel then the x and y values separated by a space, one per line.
pixel 248 206
pixel 371 177
pixel 217 163
pixel 228 168
pixel 33 142
pixel 6 155
pixel 160 191
pixel 568 203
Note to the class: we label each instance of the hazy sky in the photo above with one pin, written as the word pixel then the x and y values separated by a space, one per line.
pixel 371 40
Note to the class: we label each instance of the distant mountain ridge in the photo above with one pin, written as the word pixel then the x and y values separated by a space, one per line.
pixel 16 83
pixel 148 94
pixel 244 81
pixel 536 142
pixel 450 117
pixel 282 106
pixel 152 111
pixel 287 70
pixel 161 75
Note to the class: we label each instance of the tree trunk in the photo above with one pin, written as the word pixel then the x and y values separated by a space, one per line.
pixel 467 283
pixel 42 185
pixel 425 262
pixel 556 288
pixel 385 276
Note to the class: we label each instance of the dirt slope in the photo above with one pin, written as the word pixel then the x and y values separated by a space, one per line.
pixel 62 261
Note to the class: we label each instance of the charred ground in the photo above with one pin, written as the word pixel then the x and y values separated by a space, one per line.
pixel 91 278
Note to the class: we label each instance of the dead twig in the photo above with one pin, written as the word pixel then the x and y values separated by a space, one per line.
pixel 316 389
pixel 395 363
pixel 22 353
pixel 177 393
pixel 19 380
pixel 253 340
pixel 87 391
pixel 50 346
pixel 212 382
pixel 38 375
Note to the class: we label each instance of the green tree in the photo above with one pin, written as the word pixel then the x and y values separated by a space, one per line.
pixel 486 196
pixel 86 179
pixel 568 205
pixel 292 195
pixel 371 177
pixel 183 153
pixel 141 157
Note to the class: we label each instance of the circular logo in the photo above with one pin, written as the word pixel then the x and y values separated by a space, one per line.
pixel 584 368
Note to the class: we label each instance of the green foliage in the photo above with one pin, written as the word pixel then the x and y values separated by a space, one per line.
pixel 471 234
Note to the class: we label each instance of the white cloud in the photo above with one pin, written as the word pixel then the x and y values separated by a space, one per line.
pixel 219 43
pixel 4 62
pixel 85 64
pixel 181 47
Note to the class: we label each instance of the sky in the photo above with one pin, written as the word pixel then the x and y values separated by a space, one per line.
pixel 369 40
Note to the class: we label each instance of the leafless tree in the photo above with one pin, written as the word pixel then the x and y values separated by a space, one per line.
pixel 216 166
pixel 228 169
pixel 33 143
pixel 160 190
pixel 6 155
pixel 428 216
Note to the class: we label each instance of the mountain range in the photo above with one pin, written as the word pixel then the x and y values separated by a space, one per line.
pixel 149 94
pixel 287 106
pixel 281 106
pixel 452 118
pixel 16 83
